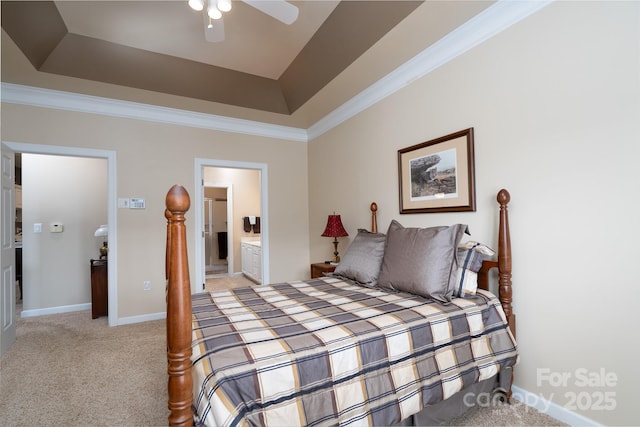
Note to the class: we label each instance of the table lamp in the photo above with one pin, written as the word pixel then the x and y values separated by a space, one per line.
pixel 103 231
pixel 335 229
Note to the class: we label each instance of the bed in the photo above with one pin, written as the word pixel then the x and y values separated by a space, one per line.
pixel 350 348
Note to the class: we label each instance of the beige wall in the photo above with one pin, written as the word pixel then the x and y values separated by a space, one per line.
pixel 151 157
pixel 72 191
pixel 555 103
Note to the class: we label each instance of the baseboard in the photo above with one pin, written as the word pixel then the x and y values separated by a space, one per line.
pixel 141 318
pixel 55 310
pixel 82 307
pixel 554 410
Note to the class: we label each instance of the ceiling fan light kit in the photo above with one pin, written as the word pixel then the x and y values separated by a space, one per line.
pixel 213 11
pixel 281 10
pixel 224 5
pixel 196 4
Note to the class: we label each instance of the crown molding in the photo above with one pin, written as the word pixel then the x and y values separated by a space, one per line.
pixel 492 21
pixel 55 99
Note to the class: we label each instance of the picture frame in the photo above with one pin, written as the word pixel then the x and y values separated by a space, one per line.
pixel 438 175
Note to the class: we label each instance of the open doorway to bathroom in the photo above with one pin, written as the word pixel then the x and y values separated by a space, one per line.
pixel 216 231
pixel 247 201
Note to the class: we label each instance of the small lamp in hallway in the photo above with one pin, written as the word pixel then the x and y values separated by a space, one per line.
pixel 103 231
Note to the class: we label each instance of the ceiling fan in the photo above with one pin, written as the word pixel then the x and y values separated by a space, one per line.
pixel 281 10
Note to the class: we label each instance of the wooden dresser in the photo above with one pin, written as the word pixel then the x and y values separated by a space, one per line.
pixel 99 288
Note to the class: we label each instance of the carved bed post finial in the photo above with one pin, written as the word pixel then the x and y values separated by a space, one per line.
pixel 374 217
pixel 504 260
pixel 178 310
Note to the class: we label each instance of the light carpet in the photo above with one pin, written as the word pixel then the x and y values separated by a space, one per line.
pixel 70 370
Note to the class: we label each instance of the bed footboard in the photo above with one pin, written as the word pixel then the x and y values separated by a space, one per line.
pixel 178 310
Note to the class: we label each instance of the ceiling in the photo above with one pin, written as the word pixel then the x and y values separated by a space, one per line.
pixel 263 65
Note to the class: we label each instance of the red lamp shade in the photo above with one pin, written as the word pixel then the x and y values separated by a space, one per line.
pixel 334 227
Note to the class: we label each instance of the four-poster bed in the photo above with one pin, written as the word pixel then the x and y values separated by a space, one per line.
pixel 335 350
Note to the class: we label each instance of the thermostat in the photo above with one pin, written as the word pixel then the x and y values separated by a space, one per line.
pixel 136 204
pixel 56 227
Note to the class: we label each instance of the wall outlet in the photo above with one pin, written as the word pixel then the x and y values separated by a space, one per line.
pixel 146 285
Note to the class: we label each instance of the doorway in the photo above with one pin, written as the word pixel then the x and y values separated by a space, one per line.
pixel 111 214
pixel 226 172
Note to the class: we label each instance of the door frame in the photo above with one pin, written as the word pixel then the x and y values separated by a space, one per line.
pixel 112 214
pixel 229 190
pixel 199 165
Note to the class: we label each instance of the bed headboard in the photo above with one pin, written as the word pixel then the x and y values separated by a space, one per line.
pixel 503 263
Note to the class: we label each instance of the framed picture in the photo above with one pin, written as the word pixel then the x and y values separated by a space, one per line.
pixel 438 175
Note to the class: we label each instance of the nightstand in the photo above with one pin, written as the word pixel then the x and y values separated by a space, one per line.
pixel 99 288
pixel 319 268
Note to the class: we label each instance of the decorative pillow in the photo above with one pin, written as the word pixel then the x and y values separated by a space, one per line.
pixel 421 261
pixel 363 258
pixel 470 257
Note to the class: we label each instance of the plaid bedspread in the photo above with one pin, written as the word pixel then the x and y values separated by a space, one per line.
pixel 329 352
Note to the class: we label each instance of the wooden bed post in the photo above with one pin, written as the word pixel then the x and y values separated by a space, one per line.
pixel 503 264
pixel 374 217
pixel 178 310
pixel 504 260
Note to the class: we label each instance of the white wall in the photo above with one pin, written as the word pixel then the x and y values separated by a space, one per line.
pixel 555 104
pixel 72 191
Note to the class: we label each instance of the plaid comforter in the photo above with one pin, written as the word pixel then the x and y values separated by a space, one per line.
pixel 329 352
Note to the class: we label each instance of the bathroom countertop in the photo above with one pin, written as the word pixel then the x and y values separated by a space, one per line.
pixel 252 242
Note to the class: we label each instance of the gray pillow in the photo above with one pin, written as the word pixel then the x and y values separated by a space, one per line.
pixel 363 258
pixel 421 261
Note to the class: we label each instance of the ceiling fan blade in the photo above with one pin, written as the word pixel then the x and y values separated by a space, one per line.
pixel 278 9
pixel 216 32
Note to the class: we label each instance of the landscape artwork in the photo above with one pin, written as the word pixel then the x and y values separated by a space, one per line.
pixel 434 176
pixel 438 175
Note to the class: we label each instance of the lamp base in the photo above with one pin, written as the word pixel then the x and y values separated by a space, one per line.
pixel 104 250
pixel 336 258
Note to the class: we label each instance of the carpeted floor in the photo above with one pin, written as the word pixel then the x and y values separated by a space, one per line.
pixel 69 370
